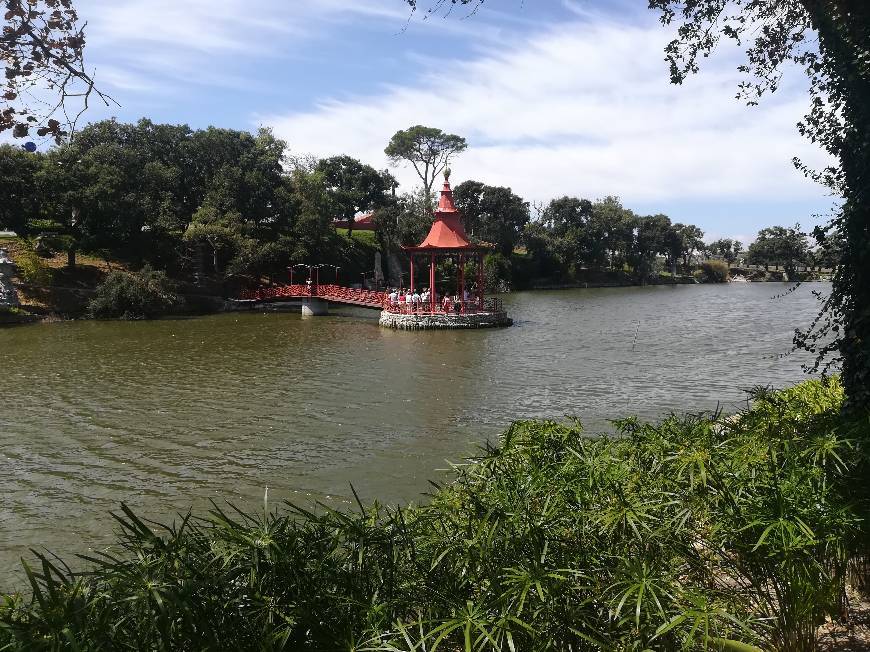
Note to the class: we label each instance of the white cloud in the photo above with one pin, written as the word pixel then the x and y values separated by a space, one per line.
pixel 202 41
pixel 584 109
pixel 211 26
pixel 173 44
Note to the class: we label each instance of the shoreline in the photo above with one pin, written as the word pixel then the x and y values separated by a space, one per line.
pixel 26 314
pixel 592 286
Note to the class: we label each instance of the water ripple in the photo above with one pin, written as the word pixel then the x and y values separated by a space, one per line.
pixel 169 414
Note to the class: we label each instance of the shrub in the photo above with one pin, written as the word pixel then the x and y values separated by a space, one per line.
pixel 689 534
pixel 31 268
pixel 715 271
pixel 142 295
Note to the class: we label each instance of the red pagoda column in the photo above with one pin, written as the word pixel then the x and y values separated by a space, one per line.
pixel 432 283
pixel 480 282
pixel 462 282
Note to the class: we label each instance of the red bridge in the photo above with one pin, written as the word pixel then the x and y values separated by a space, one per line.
pixel 331 293
pixel 367 299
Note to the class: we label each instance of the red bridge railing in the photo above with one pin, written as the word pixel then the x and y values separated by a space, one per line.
pixel 366 298
pixel 329 292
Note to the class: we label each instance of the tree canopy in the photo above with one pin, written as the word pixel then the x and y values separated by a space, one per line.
pixel 353 186
pixel 726 249
pixel 574 233
pixel 17 187
pixel 214 201
pixel 778 245
pixel 492 213
pixel 427 149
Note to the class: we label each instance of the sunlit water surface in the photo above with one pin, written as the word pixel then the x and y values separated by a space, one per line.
pixel 166 415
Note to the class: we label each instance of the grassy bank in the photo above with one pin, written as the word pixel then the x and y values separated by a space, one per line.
pixel 47 287
pixel 699 532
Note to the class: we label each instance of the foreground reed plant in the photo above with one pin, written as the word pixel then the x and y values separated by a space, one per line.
pixel 700 532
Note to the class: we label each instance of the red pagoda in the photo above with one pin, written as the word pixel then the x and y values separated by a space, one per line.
pixel 447 239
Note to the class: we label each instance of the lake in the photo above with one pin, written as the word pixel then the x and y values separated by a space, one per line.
pixel 166 415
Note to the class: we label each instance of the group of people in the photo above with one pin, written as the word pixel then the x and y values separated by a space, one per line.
pixel 401 300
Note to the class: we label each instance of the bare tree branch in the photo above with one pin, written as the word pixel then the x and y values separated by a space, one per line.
pixel 42 54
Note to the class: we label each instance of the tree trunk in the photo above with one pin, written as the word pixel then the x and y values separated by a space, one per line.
pixel 852 279
pixel 71 257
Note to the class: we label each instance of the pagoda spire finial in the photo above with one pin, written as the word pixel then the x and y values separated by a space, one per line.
pixel 445 203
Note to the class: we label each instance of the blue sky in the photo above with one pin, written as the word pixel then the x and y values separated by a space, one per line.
pixel 554 97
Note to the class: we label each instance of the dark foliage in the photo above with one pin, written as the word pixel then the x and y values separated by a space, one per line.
pixel 142 295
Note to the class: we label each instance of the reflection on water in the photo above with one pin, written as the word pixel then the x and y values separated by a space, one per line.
pixel 169 414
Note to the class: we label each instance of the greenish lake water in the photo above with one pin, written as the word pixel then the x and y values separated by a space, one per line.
pixel 166 415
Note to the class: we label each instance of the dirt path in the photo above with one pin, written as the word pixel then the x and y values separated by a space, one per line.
pixel 851 637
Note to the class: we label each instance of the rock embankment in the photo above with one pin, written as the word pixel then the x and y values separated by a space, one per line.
pixel 415 322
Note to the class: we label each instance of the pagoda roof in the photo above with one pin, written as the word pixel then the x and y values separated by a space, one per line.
pixel 447 232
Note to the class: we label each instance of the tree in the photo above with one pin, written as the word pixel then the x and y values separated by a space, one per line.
pixel 311 229
pixel 496 214
pixel 621 224
pixel 541 246
pixel 404 221
pixel 652 237
pixel 467 197
pixel 567 218
pixel 42 47
pixel 830 40
pixel 428 149
pixel 690 240
pixel 117 186
pixel 67 192
pixel 224 233
pixel 567 214
pixel 573 231
pixel 142 295
pixel 18 192
pixel 778 245
pixel 726 249
pixel 597 234
pixel 353 186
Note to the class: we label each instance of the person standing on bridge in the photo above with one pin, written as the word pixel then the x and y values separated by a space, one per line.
pixel 415 298
pixel 394 297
